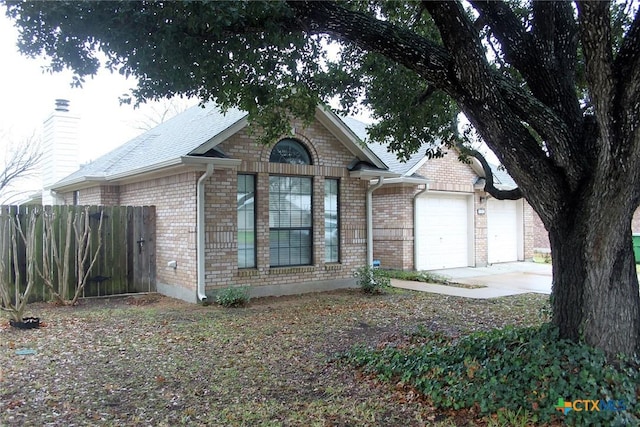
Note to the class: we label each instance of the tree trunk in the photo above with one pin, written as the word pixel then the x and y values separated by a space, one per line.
pixel 595 287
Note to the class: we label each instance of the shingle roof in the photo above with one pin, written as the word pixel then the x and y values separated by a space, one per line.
pixel 184 133
pixel 177 137
pixel 170 140
pixel 500 175
pixel 390 159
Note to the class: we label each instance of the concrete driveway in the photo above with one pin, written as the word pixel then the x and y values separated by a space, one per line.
pixel 498 280
pixel 518 276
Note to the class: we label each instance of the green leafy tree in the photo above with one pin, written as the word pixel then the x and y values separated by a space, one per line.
pixel 552 88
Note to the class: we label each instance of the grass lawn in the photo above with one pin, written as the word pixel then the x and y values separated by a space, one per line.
pixel 152 360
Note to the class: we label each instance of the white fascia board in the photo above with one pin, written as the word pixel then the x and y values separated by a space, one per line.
pixel 417 166
pixel 171 167
pixel 345 135
pixel 76 184
pixel 222 136
pixel 368 174
pixel 477 167
pixel 158 170
pixel 408 180
pixel 502 187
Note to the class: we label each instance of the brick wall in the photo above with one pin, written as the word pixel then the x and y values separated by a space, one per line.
pixel 481 244
pixel 540 234
pixel 529 217
pixel 175 200
pixel 108 195
pixel 448 174
pixel 330 159
pixel 88 196
pixel 393 226
pixel 635 223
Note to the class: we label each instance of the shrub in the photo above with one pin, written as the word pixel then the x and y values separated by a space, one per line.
pixel 525 372
pixel 372 280
pixel 233 296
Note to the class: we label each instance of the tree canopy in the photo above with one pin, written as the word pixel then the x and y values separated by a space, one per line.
pixel 553 88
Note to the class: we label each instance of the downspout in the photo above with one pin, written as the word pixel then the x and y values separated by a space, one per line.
pixel 202 296
pixel 370 191
pixel 415 224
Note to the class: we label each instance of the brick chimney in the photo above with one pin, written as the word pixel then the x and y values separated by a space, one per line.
pixel 60 148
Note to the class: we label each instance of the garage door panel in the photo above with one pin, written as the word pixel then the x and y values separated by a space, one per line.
pixel 442 232
pixel 502 231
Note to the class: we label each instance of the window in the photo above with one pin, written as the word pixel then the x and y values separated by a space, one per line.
pixel 290 151
pixel 290 221
pixel 246 221
pixel 331 221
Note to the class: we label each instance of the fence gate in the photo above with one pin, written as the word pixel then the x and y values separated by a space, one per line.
pixel 126 261
pixel 142 250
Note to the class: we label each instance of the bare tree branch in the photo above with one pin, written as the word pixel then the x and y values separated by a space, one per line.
pixel 489 186
pixel 161 111
pixel 21 161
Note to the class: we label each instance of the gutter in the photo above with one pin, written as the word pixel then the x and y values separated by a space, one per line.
pixel 415 224
pixel 370 191
pixel 167 167
pixel 409 180
pixel 200 243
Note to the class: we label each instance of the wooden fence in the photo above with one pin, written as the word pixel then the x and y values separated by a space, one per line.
pixel 126 258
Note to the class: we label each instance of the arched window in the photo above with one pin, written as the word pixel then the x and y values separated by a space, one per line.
pixel 290 151
pixel 290 211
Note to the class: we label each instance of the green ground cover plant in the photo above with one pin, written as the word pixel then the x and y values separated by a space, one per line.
pixel 517 373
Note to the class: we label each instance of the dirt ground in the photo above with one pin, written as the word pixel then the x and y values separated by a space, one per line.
pixel 153 360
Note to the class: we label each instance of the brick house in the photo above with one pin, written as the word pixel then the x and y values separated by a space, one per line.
pixel 286 218
pixel 436 214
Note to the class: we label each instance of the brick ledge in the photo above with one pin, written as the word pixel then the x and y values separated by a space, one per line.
pixel 292 270
pixel 249 272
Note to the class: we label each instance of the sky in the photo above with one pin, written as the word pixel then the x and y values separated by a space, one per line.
pixel 27 98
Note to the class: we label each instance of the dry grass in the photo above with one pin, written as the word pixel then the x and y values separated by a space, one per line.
pixel 157 361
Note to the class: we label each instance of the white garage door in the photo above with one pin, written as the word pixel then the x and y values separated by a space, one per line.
pixel 503 232
pixel 442 232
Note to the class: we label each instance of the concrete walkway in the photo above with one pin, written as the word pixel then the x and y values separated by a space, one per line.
pixel 499 280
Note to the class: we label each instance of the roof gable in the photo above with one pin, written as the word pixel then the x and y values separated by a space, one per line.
pixel 170 140
pixel 417 160
pixel 382 151
pixel 193 132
